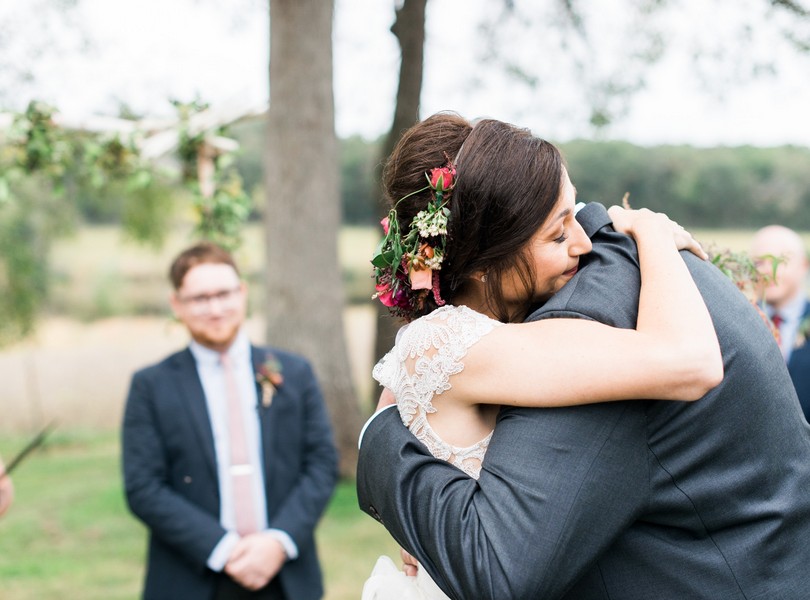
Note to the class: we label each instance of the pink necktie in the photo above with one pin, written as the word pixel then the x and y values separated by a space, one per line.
pixel 241 470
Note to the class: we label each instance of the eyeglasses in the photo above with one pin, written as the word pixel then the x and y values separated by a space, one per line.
pixel 201 303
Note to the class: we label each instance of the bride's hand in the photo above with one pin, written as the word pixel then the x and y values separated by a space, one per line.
pixel 409 564
pixel 630 221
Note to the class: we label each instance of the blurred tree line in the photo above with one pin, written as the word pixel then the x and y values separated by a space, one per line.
pixel 720 187
pixel 723 187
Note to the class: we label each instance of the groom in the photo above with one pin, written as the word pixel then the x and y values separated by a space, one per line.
pixel 620 500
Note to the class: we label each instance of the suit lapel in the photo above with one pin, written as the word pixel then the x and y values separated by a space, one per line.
pixel 194 398
pixel 268 425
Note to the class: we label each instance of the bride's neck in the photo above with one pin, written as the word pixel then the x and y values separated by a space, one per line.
pixel 475 300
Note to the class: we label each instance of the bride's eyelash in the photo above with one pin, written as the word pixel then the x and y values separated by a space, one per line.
pixel 561 239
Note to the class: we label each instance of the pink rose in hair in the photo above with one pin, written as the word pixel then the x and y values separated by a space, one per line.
pixel 385 294
pixel 384 223
pixel 421 279
pixel 442 179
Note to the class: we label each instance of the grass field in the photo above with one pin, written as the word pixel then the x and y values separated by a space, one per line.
pixel 70 536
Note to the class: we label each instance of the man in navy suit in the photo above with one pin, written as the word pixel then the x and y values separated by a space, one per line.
pixel 228 455
pixel 785 301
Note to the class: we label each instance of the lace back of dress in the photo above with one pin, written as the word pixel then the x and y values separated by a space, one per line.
pixel 417 370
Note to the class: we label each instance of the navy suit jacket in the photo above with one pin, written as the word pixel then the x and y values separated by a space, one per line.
pixel 799 366
pixel 171 483
pixel 619 500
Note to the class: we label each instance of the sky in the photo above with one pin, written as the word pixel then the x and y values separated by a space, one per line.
pixel 142 54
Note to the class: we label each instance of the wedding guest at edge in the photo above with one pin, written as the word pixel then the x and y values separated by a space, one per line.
pixel 624 499
pixel 785 301
pixel 6 489
pixel 228 455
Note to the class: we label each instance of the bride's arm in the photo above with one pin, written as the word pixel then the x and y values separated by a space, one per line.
pixel 673 354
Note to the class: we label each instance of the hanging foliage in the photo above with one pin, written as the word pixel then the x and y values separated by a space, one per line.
pixel 221 216
pixel 221 204
pixel 48 168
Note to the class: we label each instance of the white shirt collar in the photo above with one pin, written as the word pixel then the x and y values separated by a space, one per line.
pixel 238 352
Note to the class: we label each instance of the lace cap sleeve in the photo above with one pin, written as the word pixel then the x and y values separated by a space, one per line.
pixel 427 352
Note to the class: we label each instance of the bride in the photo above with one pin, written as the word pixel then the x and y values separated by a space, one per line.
pixel 467 254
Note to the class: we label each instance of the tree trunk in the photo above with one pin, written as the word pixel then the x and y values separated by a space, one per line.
pixel 409 28
pixel 304 288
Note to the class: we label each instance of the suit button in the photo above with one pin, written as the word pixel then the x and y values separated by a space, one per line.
pixel 374 514
pixel 187 479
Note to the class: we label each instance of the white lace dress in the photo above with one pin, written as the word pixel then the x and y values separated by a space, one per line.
pixel 417 370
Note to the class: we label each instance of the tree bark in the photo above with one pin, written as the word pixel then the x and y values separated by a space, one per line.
pixel 304 289
pixel 409 29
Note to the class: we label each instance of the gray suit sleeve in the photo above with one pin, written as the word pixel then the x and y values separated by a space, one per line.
pixel 557 486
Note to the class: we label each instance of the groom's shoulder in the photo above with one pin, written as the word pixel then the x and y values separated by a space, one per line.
pixel 168 365
pixel 605 288
pixel 378 424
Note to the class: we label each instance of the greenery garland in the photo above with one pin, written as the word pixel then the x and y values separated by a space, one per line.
pixel 45 169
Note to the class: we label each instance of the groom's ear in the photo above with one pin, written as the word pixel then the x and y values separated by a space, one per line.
pixel 175 303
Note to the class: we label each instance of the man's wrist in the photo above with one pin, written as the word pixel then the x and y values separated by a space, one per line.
pixel 283 538
pixel 222 551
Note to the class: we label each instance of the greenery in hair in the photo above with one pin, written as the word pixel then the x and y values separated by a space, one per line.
pixel 406 265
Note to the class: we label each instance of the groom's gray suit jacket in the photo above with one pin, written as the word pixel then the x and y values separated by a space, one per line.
pixel 628 500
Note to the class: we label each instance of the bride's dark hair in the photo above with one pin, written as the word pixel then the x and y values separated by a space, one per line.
pixel 507 183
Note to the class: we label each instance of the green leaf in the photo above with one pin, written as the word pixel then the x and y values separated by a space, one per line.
pixel 379 261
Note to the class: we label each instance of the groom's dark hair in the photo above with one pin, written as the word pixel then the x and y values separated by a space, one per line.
pixel 203 252
pixel 507 183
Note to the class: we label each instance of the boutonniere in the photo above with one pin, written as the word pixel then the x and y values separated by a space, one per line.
pixel 270 378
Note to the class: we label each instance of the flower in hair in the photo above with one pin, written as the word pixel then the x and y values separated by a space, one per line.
pixel 443 179
pixel 405 266
pixel 421 278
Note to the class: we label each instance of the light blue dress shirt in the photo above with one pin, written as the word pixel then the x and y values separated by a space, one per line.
pixel 212 378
